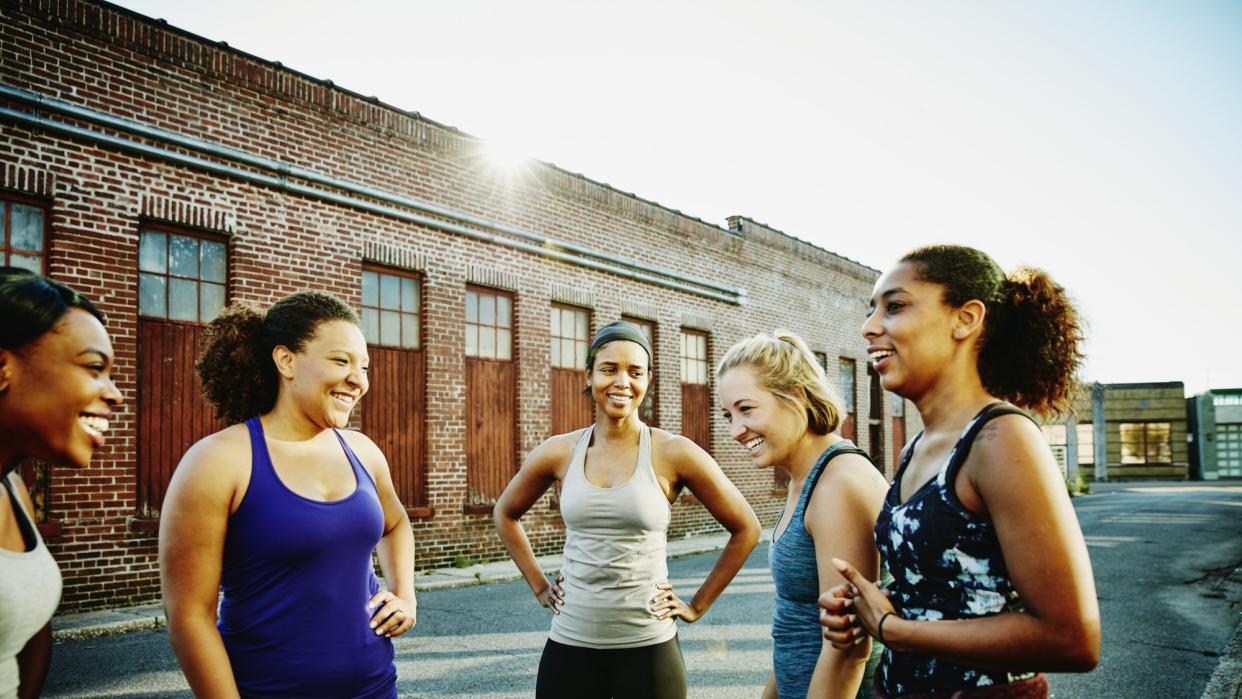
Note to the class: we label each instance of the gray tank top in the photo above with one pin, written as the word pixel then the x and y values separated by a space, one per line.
pixel 615 554
pixel 29 591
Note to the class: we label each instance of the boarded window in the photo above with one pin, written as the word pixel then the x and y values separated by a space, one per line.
pixel 875 420
pixel 394 407
pixel 648 411
pixel 1146 443
pixel 846 378
pixel 569 334
pixel 491 395
pixel 181 286
pixel 25 234
pixel 1086 443
pixel 695 396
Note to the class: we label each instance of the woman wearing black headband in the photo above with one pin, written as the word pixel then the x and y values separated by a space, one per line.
pixel 613 631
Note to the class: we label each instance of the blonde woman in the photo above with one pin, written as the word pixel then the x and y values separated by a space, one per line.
pixel 778 405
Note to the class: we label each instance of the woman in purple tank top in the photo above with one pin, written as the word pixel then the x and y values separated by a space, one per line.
pixel 281 513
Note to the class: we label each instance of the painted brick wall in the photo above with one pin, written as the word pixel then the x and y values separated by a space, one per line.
pixel 110 60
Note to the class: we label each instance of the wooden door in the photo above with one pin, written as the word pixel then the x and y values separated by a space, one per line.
pixel 491 437
pixel 172 413
pixel 392 416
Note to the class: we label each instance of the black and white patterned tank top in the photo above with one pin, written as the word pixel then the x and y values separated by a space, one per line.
pixel 946 563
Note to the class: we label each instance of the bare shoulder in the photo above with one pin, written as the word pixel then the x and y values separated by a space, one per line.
pixel 216 461
pixel 667 446
pixel 1009 450
pixel 363 446
pixel 1006 437
pixel 554 452
pixel 849 481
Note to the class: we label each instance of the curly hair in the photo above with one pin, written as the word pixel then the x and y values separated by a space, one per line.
pixel 1031 346
pixel 783 363
pixel 236 368
pixel 31 305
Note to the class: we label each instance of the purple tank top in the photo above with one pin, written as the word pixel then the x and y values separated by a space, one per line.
pixel 296 579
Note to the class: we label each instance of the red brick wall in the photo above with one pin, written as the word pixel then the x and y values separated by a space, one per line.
pixel 110 60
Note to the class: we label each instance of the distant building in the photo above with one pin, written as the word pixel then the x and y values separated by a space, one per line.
pixel 1124 431
pixel 1215 424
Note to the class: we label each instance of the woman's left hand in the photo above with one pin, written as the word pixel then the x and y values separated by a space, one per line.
pixel 393 615
pixel 666 603
pixel 870 602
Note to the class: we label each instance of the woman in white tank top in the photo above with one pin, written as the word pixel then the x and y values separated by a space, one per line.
pixel 56 394
pixel 613 627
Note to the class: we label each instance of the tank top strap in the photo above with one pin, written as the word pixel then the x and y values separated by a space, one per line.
pixel 25 520
pixel 961 450
pixel 577 461
pixel 261 470
pixel 645 464
pixel 361 474
pixel 842 447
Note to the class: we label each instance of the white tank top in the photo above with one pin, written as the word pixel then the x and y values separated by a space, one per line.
pixel 29 592
pixel 615 554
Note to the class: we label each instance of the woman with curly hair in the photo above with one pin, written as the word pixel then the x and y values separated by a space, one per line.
pixel 281 513
pixel 991 581
pixel 56 395
pixel 780 407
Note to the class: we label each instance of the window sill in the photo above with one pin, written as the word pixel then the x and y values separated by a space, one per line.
pixel 49 528
pixel 478 509
pixel 424 512
pixel 144 524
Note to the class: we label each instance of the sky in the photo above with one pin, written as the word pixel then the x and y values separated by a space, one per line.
pixel 1099 141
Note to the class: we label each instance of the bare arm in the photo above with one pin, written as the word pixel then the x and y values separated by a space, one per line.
pixel 33 661
pixel 193 524
pixel 396 608
pixel 1011 473
pixel 840 518
pixel 542 468
pixel 702 475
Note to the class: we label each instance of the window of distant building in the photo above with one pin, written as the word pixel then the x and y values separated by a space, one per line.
pixel 1146 443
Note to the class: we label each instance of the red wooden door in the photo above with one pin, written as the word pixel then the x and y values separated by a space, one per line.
pixel 172 413
pixel 696 414
pixel 571 410
pixel 392 416
pixel 491 438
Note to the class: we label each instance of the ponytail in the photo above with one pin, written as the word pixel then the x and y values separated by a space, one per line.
pixel 236 368
pixel 1031 347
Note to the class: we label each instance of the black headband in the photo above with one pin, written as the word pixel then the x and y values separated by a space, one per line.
pixel 619 330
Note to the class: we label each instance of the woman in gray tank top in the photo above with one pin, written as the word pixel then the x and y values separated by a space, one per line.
pixel 56 394
pixel 779 406
pixel 613 626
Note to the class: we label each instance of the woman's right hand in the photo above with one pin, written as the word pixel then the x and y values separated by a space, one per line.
pixel 841 627
pixel 553 596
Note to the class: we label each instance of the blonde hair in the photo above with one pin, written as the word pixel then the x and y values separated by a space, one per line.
pixel 782 364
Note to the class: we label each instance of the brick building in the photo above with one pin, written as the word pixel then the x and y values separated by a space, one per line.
pixel 165 175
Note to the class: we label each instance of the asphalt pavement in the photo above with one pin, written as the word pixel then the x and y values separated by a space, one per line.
pixel 1167 560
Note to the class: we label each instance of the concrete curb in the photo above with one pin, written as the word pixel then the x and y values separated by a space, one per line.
pixel 1226 681
pixel 76 627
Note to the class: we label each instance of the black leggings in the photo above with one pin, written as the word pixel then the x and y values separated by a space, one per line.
pixel 573 672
